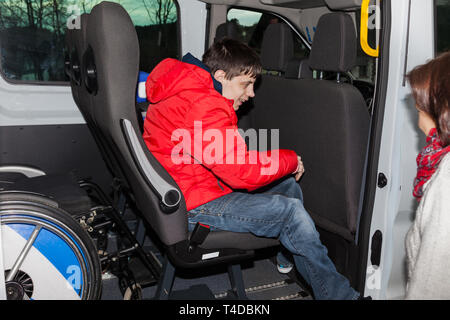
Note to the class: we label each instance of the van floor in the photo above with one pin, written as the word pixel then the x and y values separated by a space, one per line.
pixel 261 279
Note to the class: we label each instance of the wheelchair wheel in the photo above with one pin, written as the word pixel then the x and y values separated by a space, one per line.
pixel 46 253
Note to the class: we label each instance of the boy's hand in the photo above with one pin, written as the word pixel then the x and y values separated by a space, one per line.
pixel 300 169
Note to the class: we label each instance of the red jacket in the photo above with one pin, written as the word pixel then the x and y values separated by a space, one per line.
pixel 182 94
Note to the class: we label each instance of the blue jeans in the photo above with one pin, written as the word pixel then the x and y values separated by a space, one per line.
pixel 279 212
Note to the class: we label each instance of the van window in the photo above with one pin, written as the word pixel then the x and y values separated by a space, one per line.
pixel 32 35
pixel 252 24
pixel 442 26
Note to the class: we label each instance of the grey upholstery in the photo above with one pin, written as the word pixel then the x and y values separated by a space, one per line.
pixel 76 47
pixel 325 122
pixel 111 60
pixel 227 29
pixel 334 46
pixel 277 47
pixel 113 40
pixel 277 53
pixel 298 69
pixel 75 43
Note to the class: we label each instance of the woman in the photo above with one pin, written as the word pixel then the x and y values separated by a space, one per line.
pixel 428 240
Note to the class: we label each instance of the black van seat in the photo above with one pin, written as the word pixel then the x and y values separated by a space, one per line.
pixel 109 70
pixel 81 86
pixel 277 57
pixel 324 121
pixel 277 53
pixel 227 29
pixel 277 48
pixel 298 69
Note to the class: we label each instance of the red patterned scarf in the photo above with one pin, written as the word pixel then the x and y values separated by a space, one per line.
pixel 428 161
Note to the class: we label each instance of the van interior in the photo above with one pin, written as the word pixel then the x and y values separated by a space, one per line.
pixel 318 88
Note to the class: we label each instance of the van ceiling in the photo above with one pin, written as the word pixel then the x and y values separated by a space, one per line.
pixel 295 4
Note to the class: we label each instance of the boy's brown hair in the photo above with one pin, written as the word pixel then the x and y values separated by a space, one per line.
pixel 233 57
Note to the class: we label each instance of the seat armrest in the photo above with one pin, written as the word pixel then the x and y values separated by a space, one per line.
pixel 169 196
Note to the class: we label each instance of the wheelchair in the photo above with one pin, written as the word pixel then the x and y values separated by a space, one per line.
pixel 102 62
pixel 54 239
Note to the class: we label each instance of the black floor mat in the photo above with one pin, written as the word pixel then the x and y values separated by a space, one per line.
pixel 261 278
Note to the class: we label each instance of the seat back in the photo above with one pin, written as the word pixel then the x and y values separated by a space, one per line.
pixel 110 73
pixel 298 69
pixel 75 49
pixel 106 97
pixel 277 48
pixel 324 121
pixel 75 45
pixel 227 29
pixel 277 59
pixel 277 53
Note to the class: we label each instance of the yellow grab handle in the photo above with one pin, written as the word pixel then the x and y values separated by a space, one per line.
pixel 364 30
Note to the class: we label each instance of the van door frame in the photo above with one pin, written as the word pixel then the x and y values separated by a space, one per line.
pixel 374 144
pixel 396 143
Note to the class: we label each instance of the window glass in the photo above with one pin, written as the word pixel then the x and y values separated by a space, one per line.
pixel 32 34
pixel 252 24
pixel 442 26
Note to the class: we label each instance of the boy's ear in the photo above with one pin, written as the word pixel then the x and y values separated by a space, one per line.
pixel 219 75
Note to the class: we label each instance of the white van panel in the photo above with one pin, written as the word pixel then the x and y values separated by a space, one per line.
pixel 31 104
pixel 3 295
pixel 394 204
pixel 193 27
pixel 27 105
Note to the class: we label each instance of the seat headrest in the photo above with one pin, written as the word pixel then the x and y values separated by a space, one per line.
pixel 228 29
pixel 277 47
pixel 334 44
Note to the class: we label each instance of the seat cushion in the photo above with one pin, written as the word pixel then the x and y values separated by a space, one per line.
pixel 235 240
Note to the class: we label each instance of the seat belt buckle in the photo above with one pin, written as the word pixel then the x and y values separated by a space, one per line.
pixel 198 235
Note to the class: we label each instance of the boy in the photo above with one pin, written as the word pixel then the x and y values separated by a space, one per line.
pixel 194 101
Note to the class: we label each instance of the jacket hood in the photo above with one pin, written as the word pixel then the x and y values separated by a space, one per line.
pixel 172 76
pixel 189 58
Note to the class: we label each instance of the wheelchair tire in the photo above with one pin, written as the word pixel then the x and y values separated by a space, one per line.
pixel 51 256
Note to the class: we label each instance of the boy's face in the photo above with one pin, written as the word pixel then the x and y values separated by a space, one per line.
pixel 239 88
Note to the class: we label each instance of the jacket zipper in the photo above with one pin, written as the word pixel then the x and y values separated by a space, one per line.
pixel 218 182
